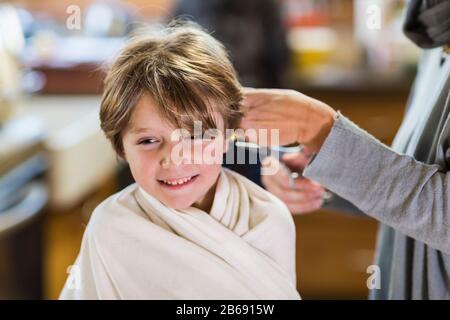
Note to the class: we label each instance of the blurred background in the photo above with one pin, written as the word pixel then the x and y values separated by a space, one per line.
pixel 56 166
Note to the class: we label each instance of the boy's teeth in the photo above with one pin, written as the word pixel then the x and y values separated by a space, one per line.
pixel 177 181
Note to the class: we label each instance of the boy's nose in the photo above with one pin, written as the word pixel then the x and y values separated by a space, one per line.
pixel 165 162
pixel 175 155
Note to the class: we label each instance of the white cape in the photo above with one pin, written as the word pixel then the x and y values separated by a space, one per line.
pixel 134 247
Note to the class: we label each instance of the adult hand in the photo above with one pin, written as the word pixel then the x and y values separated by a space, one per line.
pixel 298 118
pixel 300 195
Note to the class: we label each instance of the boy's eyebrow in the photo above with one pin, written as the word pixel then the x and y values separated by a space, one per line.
pixel 139 130
pixel 144 129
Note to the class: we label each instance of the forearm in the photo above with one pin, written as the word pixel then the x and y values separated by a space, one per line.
pixel 395 189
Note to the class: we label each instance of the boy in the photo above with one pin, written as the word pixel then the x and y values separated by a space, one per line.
pixel 187 229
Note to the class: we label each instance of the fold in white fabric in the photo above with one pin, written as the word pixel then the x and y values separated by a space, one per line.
pixel 135 247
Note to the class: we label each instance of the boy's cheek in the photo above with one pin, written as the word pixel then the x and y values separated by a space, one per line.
pixel 210 171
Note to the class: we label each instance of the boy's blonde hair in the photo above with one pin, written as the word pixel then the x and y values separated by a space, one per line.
pixel 183 69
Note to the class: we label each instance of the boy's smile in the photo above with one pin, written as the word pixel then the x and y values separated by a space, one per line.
pixel 178 183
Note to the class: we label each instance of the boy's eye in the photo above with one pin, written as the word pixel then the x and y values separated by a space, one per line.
pixel 203 137
pixel 147 141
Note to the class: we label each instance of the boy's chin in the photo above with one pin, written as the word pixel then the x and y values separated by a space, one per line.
pixel 178 204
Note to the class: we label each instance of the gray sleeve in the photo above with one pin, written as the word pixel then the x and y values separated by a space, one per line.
pixel 410 196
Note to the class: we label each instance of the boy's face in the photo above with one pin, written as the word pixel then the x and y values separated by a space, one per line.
pixel 154 158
